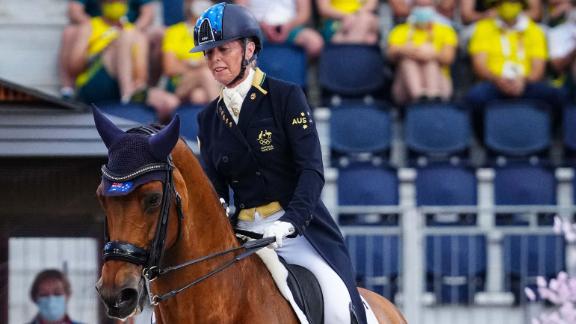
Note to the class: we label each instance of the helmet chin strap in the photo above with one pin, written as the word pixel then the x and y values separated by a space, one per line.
pixel 244 63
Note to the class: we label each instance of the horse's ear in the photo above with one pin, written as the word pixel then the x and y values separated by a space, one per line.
pixel 106 128
pixel 164 141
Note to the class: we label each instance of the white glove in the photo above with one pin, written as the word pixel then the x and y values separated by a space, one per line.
pixel 280 230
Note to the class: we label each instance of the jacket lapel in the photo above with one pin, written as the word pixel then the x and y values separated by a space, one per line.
pixel 252 101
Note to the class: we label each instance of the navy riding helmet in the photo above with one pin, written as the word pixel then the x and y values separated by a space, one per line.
pixel 223 23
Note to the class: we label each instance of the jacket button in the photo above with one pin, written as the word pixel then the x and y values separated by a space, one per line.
pixel 258 173
pixel 225 159
pixel 242 206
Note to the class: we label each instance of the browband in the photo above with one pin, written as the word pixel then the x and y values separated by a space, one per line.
pixel 109 175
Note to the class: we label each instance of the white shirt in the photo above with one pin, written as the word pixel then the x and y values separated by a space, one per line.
pixel 234 97
pixel 562 39
pixel 273 12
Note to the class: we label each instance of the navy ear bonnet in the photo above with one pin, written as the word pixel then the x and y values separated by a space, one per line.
pixel 134 157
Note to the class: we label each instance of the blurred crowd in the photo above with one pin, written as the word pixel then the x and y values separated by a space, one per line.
pixel 112 50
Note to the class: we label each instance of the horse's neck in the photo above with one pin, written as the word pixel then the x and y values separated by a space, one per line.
pixel 206 230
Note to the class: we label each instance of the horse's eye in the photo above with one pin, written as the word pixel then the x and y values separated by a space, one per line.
pixel 153 200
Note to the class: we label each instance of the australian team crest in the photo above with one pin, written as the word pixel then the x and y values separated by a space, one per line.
pixel 265 140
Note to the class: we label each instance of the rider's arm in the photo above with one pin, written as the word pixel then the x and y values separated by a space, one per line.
pixel 218 182
pixel 307 158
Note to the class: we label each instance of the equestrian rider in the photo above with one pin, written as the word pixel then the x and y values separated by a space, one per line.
pixel 259 139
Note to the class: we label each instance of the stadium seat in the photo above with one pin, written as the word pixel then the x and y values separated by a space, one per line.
pixel 172 12
pixel 523 184
pixel 529 256
pixel 437 129
pixel 516 128
pixel 351 70
pixel 376 260
pixel 189 121
pixel 359 129
pixel 569 131
pixel 285 62
pixel 441 185
pixel 362 184
pixel 455 267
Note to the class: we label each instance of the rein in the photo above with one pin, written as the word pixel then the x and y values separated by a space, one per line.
pixel 151 259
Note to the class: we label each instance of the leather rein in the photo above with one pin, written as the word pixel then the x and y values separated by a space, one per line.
pixel 150 259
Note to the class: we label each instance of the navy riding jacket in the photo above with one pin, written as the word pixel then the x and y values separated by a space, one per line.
pixel 273 154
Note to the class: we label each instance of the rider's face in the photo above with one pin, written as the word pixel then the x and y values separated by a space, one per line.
pixel 225 61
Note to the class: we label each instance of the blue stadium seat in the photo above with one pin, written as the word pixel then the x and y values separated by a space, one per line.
pixel 455 267
pixel 172 12
pixel 516 128
pixel 524 184
pixel 285 62
pixel 442 184
pixel 188 120
pixel 376 260
pixel 360 129
pixel 362 184
pixel 569 123
pixel 529 256
pixel 351 70
pixel 437 129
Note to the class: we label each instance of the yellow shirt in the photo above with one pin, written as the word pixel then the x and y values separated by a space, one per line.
pixel 440 35
pixel 510 48
pixel 102 35
pixel 179 40
pixel 346 6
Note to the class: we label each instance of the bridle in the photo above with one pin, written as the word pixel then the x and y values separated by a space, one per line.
pixel 150 259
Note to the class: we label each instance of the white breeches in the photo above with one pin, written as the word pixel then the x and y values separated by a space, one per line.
pixel 299 251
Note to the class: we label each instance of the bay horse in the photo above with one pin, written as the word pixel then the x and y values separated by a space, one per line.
pixel 185 212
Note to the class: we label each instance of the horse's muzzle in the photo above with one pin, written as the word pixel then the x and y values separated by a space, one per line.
pixel 124 302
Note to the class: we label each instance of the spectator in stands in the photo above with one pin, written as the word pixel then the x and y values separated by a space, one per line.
pixel 349 21
pixel 285 22
pixel 562 43
pixel 472 11
pixel 112 55
pixel 140 12
pixel 401 9
pixel 423 50
pixel 509 54
pixel 50 291
pixel 189 79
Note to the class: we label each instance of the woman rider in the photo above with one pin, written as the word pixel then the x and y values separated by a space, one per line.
pixel 259 139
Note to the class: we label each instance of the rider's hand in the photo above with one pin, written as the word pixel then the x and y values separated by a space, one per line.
pixel 279 230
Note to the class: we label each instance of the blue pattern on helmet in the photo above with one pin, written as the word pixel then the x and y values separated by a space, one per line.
pixel 214 15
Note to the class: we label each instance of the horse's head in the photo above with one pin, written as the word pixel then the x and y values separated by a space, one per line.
pixel 138 193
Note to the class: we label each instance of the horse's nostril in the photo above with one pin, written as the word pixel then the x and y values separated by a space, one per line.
pixel 127 296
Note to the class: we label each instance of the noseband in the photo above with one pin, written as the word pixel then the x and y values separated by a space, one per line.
pixel 150 259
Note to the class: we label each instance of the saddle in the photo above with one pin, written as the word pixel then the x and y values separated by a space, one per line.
pixel 306 291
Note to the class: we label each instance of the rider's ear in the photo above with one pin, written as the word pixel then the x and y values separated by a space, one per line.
pixel 164 141
pixel 106 128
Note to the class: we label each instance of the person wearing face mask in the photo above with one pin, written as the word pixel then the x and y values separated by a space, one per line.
pixel 140 12
pixel 112 55
pixel 423 50
pixel 562 46
pixel 259 139
pixel 509 55
pixel 51 291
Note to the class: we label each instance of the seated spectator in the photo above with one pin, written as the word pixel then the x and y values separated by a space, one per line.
pixel 472 11
pixel 189 79
pixel 423 51
pixel 51 292
pixel 562 44
pixel 140 12
pixel 349 21
pixel 112 55
pixel 558 12
pixel 284 21
pixel 401 9
pixel 509 54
